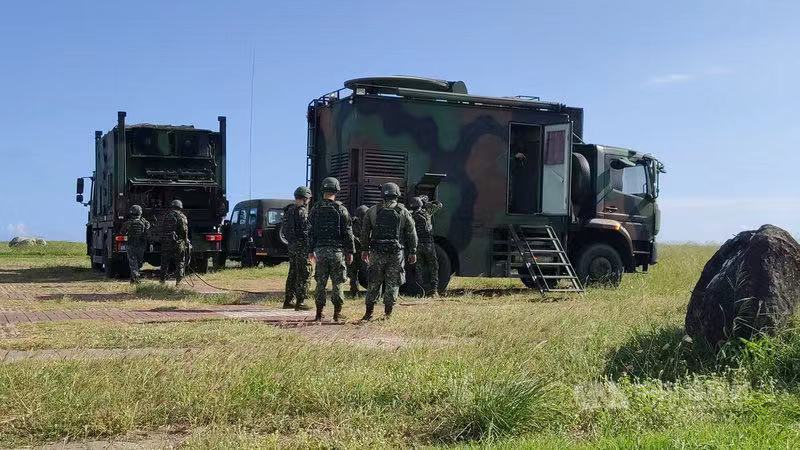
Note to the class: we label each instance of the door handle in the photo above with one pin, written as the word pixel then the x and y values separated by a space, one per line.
pixel 610 209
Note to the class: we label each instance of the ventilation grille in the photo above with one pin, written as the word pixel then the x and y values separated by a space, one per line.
pixel 382 167
pixel 340 169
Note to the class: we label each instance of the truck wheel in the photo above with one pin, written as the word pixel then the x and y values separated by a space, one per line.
pixel 248 258
pixel 600 264
pixel 272 262
pixel 526 279
pixel 219 261
pixel 445 269
pixel 200 264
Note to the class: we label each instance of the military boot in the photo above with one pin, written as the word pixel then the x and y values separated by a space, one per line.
pixel 368 312
pixel 318 316
pixel 387 310
pixel 300 306
pixel 287 304
pixel 337 313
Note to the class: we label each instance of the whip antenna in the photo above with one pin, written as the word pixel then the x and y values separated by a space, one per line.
pixel 250 152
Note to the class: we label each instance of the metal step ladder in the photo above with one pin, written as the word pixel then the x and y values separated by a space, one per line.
pixel 546 275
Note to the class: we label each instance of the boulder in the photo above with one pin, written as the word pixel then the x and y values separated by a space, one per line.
pixel 750 285
pixel 21 241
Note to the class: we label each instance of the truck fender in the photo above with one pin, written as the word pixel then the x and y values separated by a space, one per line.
pixel 609 225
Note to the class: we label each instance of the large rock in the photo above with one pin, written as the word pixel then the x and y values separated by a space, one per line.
pixel 752 284
pixel 26 242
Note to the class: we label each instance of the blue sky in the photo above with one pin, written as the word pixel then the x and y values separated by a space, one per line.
pixel 711 88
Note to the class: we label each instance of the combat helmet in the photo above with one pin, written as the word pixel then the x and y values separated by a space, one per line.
pixel 330 184
pixel 415 203
pixel 135 211
pixel 390 190
pixel 302 192
pixel 177 204
pixel 361 211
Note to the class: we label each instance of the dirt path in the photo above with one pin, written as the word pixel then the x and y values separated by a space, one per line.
pixel 240 312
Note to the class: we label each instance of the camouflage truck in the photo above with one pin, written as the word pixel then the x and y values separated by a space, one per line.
pixel 524 196
pixel 150 165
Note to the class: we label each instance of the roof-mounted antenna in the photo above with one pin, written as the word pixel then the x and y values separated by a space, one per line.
pixel 250 152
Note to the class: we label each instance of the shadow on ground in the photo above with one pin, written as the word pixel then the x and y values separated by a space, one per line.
pixel 93 297
pixel 665 354
pixel 52 274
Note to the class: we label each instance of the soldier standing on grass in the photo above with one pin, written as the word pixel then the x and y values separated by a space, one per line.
pixel 331 245
pixel 174 241
pixel 388 229
pixel 135 230
pixel 295 229
pixel 427 267
pixel 355 266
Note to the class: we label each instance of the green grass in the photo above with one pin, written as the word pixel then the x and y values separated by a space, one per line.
pixel 486 368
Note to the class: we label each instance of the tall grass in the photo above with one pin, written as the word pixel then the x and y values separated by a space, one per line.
pixel 611 368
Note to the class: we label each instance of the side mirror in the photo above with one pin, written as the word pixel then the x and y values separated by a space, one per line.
pixel 79 198
pixel 621 163
pixel 226 222
pixel 80 187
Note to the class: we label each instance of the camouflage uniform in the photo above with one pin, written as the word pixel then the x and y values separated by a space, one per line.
pixel 135 230
pixel 174 244
pixel 388 229
pixel 427 267
pixel 330 238
pixel 353 269
pixel 295 229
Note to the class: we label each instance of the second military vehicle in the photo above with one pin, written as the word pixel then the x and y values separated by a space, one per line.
pixel 151 165
pixel 524 196
pixel 253 233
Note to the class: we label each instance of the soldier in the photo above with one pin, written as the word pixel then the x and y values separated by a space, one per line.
pixel 332 245
pixel 174 241
pixel 355 266
pixel 135 230
pixel 427 268
pixel 295 229
pixel 388 229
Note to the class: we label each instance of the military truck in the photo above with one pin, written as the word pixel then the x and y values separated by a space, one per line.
pixel 524 195
pixel 253 233
pixel 151 165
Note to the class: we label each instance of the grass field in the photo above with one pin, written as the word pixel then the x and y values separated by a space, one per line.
pixel 494 365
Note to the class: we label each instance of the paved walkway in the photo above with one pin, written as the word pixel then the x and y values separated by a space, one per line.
pixel 243 312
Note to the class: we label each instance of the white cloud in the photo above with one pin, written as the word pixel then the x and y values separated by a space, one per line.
pixel 671 78
pixel 674 78
pixel 17 229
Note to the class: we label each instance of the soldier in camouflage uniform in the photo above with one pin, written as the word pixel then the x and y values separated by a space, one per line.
pixel 332 245
pixel 427 267
pixel 174 241
pixel 355 266
pixel 135 230
pixel 388 229
pixel 295 229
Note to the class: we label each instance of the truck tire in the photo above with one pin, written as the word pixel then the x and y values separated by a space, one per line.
pixel 526 279
pixel 219 261
pixel 445 269
pixel 248 257
pixel 413 289
pixel 199 263
pixel 600 264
